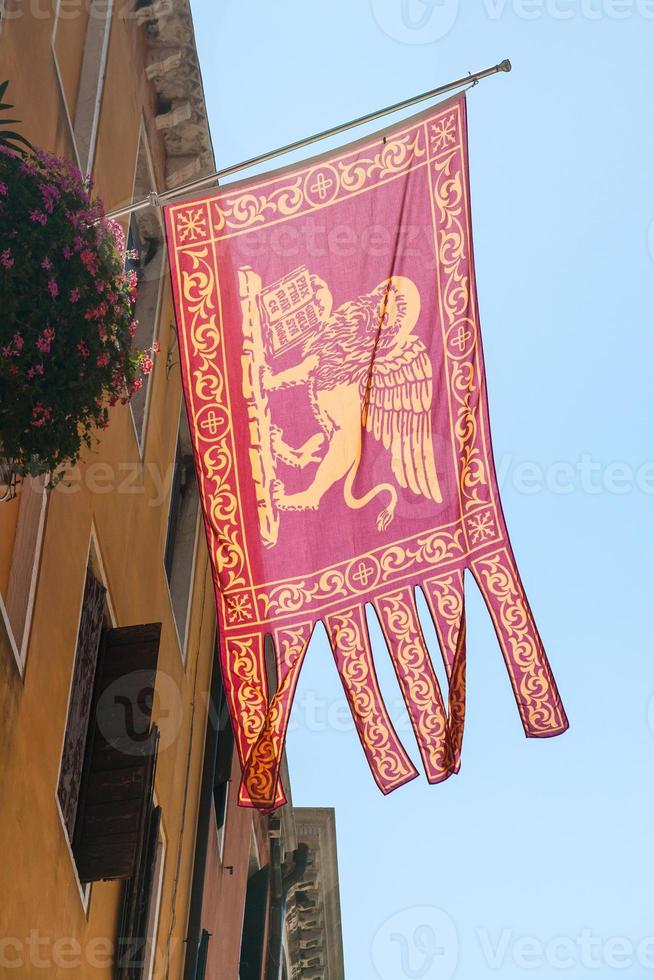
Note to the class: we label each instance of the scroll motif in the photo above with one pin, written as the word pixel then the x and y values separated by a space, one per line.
pixel 261 772
pixel 348 635
pixel 460 331
pixel 445 597
pixel 534 687
pixel 416 676
pixel 247 690
pixel 212 429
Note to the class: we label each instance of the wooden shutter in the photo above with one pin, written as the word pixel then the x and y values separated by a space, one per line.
pixel 118 780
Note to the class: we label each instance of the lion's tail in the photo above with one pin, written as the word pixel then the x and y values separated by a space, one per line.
pixel 356 503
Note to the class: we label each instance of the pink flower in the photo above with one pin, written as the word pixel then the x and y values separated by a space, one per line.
pixel 74 295
pixel 33 371
pixel 118 233
pixel 67 251
pixel 102 332
pixel 3 189
pixel 6 258
pixel 102 360
pixel 146 364
pixel 53 288
pixel 38 217
pixel 98 313
pixel 156 347
pixel 83 349
pixel 89 259
pixel 44 342
pixel 46 264
pixel 133 327
pixel 50 196
pixel 15 347
pixel 41 414
pixel 137 385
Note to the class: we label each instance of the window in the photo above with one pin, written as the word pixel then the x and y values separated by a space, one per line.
pixel 223 772
pixel 22 523
pixel 254 918
pixel 106 777
pixel 183 524
pixel 145 237
pixel 91 81
pixel 152 924
pixel 137 936
pixel 203 953
pixel 67 46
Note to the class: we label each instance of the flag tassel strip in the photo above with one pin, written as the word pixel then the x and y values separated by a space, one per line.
pixel 158 200
pixel 438 728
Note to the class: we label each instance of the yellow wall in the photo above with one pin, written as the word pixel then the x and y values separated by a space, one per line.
pixel 38 888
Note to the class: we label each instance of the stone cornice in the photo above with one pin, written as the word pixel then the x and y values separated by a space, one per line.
pixel 173 68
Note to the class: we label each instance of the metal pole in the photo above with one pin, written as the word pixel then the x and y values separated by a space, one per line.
pixel 156 200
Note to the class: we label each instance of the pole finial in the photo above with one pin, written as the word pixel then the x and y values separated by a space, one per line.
pixel 504 65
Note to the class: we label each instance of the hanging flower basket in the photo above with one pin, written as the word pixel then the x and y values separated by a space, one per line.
pixel 66 316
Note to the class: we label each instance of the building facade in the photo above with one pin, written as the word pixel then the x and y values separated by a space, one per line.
pixel 124 854
pixel 117 89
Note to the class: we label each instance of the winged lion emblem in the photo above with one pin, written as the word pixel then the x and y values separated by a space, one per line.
pixel 364 370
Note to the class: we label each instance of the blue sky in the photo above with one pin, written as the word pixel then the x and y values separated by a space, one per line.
pixel 538 859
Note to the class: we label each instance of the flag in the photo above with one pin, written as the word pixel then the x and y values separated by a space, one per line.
pixel 334 382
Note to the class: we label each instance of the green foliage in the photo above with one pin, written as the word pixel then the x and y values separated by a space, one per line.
pixel 8 137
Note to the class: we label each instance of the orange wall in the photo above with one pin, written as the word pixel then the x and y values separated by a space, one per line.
pixel 37 884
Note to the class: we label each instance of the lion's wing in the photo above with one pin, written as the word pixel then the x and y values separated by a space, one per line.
pixel 397 398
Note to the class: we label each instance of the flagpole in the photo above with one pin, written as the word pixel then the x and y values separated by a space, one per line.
pixel 157 200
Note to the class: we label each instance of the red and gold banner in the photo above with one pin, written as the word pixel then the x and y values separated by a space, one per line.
pixel 334 381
